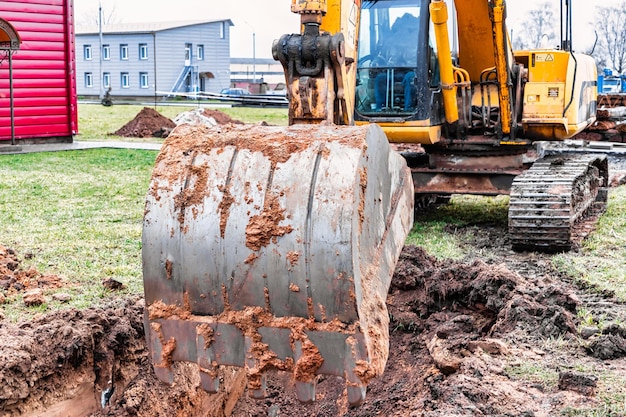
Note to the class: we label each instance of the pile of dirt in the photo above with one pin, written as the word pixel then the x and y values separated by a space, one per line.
pixel 220 117
pixel 147 123
pixel 205 117
pixel 457 329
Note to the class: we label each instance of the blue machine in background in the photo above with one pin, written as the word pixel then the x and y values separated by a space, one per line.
pixel 611 84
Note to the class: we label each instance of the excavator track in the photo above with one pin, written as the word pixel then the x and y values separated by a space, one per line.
pixel 552 197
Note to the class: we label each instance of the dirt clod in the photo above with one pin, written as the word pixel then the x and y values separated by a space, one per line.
pixel 61 297
pixel 112 284
pixel 445 360
pixel 607 346
pixel 574 381
pixel 34 297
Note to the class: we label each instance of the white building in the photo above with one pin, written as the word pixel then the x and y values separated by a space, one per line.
pixel 153 59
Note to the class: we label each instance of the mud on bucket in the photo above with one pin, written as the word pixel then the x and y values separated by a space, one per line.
pixel 273 248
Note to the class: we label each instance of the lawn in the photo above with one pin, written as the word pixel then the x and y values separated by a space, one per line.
pixel 96 122
pixel 80 213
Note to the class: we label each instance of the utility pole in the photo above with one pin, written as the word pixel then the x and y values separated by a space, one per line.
pixel 100 77
pixel 253 56
pixel 253 52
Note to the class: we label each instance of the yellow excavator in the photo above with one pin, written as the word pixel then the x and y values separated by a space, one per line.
pixel 272 248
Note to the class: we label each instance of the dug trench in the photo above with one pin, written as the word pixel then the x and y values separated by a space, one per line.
pixel 460 333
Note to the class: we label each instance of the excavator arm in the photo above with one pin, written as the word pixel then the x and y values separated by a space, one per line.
pixel 272 248
pixel 319 62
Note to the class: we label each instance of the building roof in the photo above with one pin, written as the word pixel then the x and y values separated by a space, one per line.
pixel 257 61
pixel 122 28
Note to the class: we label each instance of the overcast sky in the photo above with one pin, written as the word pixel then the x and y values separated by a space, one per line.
pixel 270 19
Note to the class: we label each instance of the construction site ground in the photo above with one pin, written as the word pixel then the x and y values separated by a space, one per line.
pixel 498 333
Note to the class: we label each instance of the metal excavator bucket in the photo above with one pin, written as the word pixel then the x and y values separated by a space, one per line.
pixel 273 248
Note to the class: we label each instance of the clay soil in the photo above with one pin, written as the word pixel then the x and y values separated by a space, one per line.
pixel 147 123
pixel 459 332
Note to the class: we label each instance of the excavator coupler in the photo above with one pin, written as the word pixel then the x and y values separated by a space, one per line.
pixel 272 248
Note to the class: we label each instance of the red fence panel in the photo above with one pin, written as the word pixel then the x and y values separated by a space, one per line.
pixel 44 71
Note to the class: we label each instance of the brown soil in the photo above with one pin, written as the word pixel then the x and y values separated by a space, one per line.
pixel 220 117
pixel 458 329
pixel 147 123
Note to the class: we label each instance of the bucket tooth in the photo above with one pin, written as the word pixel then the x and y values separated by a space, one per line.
pixel 356 394
pixel 304 351
pixel 305 391
pixel 208 381
pixel 257 380
pixel 161 353
pixel 272 248
pixel 206 358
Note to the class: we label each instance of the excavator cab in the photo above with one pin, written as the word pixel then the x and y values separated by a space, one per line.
pixel 397 71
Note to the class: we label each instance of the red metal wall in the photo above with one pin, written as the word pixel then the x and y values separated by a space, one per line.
pixel 44 71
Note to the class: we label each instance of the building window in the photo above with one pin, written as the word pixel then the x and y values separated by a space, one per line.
pixel 143 51
pixel 222 30
pixel 87 52
pixel 143 79
pixel 124 52
pixel 200 52
pixel 88 80
pixel 188 49
pixel 106 52
pixel 125 80
pixel 106 79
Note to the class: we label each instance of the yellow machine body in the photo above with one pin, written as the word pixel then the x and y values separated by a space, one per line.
pixel 272 248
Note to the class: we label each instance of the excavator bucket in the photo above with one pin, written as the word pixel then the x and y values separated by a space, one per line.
pixel 273 248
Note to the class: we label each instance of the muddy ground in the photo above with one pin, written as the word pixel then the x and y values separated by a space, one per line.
pixel 496 334
pixel 465 339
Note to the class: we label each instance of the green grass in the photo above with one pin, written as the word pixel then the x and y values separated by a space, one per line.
pixel 436 230
pixel 96 122
pixel 79 213
pixel 603 266
pixel 535 373
pixel 611 391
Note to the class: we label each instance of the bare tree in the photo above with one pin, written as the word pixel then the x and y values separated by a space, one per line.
pixel 537 28
pixel 610 24
pixel 109 16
